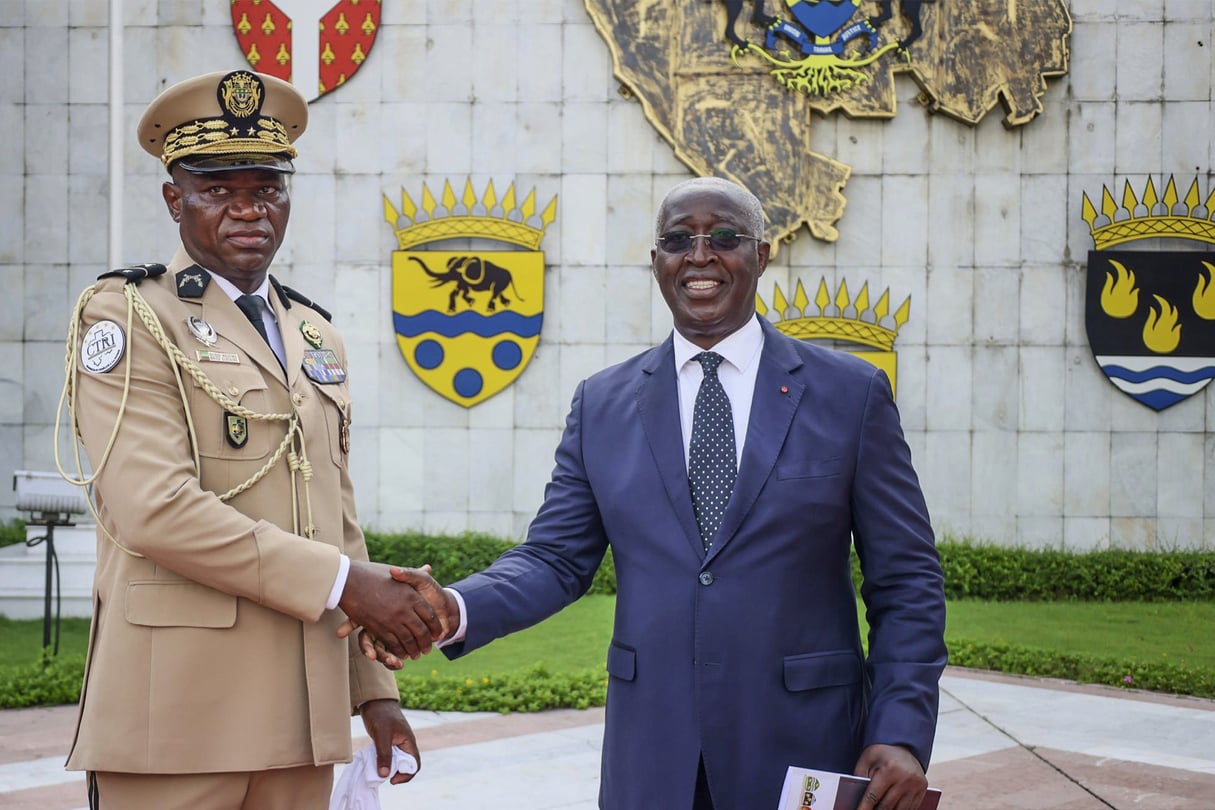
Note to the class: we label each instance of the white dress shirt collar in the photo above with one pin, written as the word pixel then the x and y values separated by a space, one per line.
pixel 231 290
pixel 740 348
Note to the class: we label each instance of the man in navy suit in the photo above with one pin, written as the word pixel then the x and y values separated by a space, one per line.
pixel 736 650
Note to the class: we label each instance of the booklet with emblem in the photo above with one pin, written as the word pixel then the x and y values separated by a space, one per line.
pixel 807 789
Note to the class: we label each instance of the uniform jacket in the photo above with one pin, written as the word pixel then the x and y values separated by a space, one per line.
pixel 212 651
pixel 749 653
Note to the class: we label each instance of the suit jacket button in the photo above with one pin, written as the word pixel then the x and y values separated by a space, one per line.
pixel 706 578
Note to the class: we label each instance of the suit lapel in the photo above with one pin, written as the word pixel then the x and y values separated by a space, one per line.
pixel 658 408
pixel 777 394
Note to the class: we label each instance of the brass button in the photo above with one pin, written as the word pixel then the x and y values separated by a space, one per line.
pixel 298 399
pixel 233 391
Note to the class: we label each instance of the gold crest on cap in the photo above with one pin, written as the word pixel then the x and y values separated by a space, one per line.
pixel 241 94
pixel 239 113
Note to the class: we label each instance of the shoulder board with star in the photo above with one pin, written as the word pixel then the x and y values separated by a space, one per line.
pixel 135 273
pixel 286 295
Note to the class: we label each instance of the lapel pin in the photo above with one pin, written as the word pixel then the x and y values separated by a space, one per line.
pixel 203 332
pixel 784 389
pixel 311 334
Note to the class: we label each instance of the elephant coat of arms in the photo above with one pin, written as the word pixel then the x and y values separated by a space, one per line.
pixel 468 321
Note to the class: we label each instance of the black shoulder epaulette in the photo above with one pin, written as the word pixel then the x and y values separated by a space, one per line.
pixel 286 293
pixel 136 272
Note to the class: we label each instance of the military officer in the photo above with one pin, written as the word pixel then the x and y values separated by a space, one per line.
pixel 212 402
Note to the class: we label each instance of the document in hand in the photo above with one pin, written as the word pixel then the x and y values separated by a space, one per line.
pixel 823 790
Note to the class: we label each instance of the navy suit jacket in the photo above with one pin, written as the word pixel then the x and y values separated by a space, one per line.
pixel 751 653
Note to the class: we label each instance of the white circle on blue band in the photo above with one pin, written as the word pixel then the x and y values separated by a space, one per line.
pixel 102 347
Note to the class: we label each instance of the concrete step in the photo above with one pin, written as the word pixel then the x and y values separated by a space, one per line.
pixel 23 573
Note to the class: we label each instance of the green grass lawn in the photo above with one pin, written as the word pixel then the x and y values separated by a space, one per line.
pixel 577 637
pixel 1165 632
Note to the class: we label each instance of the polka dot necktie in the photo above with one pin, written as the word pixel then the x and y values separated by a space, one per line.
pixel 712 459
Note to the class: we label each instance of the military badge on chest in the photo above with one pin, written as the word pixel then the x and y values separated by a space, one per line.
pixel 236 429
pixel 320 364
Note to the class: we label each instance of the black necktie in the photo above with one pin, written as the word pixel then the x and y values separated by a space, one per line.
pixel 712 458
pixel 251 305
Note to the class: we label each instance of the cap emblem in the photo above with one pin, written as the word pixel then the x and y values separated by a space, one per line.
pixel 240 94
pixel 240 129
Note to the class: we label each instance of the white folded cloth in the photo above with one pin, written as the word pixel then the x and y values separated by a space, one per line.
pixel 359 786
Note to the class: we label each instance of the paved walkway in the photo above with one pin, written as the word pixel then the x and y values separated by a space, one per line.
pixel 1003 743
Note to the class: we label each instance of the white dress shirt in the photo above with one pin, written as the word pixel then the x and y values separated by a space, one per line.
pixel 737 374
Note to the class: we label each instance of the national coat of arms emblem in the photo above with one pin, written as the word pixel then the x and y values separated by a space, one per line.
pixel 853 323
pixel 736 93
pixel 317 45
pixel 1150 315
pixel 468 320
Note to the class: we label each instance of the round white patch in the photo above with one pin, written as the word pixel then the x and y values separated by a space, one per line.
pixel 102 346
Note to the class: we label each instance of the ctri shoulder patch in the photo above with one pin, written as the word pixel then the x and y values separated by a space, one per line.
pixel 136 272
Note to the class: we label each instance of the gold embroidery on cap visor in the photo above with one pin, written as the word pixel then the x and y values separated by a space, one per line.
pixel 241 128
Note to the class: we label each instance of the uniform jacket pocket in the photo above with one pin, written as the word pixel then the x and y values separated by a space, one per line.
pixel 820 670
pixel 178 604
pixel 808 468
pixel 622 662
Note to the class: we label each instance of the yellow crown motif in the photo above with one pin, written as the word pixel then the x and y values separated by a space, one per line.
pixel 794 320
pixel 1150 216
pixel 469 217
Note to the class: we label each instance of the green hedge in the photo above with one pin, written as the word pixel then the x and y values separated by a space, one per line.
pixel 1001 574
pixel 12 532
pixel 57 680
pixel 532 690
pixel 454 557
pixel 1132 674
pixel 54 681
pixel 972 571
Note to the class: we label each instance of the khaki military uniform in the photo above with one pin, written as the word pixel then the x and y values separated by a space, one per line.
pixel 210 648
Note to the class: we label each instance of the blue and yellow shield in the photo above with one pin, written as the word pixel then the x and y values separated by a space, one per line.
pixel 467 321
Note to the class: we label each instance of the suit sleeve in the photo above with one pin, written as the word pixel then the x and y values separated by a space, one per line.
pixel 557 563
pixel 149 494
pixel 903 586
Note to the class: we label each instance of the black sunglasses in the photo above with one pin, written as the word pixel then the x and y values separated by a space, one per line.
pixel 719 239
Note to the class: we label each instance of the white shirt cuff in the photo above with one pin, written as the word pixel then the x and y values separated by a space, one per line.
pixel 339 584
pixel 457 636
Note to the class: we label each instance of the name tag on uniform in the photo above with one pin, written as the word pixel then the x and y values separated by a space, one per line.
pixel 322 366
pixel 209 356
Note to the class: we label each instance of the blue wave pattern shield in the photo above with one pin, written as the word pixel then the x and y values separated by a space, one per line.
pixel 1150 319
pixel 468 321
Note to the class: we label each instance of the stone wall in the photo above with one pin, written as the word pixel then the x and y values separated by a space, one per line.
pixel 1017 435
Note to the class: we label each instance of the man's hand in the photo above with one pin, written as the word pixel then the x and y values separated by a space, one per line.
pixel 896 780
pixel 396 608
pixel 442 602
pixel 386 727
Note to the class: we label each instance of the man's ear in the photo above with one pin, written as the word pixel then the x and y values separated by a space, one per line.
pixel 172 194
pixel 764 249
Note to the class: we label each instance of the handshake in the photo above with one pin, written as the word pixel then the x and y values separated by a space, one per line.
pixel 399 613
